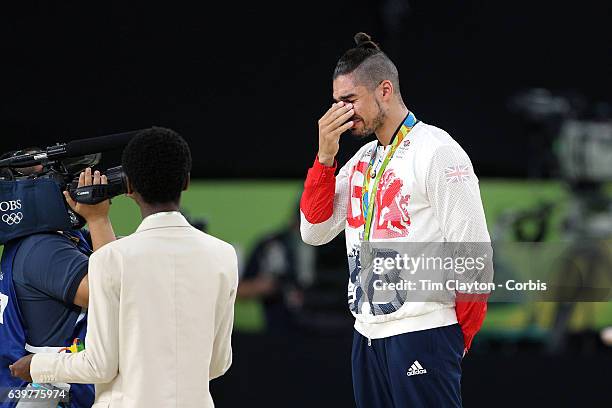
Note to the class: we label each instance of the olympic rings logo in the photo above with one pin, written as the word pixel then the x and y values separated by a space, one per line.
pixel 13 218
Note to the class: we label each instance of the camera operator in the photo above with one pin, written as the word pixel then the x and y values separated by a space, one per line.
pixel 162 299
pixel 46 273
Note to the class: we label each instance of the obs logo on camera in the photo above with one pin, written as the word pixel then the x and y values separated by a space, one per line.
pixel 11 218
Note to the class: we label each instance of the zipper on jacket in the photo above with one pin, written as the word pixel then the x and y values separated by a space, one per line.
pixel 369 342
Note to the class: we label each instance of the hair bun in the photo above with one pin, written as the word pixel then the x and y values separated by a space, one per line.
pixel 365 41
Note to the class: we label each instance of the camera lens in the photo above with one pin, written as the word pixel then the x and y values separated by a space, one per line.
pixel 116 181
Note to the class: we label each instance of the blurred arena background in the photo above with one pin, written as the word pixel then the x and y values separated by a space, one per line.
pixel 523 86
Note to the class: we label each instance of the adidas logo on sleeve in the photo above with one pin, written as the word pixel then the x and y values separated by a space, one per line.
pixel 415 369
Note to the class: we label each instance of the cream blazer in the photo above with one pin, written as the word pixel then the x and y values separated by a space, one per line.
pixel 161 310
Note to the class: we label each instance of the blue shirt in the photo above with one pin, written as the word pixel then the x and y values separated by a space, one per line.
pixel 47 271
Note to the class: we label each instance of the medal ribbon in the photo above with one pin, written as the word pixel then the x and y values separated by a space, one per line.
pixel 367 197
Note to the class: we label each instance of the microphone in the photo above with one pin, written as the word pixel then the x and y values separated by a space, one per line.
pixel 93 145
pixel 80 147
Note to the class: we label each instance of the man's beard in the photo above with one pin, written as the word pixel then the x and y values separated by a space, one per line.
pixel 369 130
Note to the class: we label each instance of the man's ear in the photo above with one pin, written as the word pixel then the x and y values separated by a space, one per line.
pixel 386 90
pixel 128 185
pixel 187 182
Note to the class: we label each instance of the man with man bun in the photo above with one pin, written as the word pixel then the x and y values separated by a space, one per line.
pixel 414 183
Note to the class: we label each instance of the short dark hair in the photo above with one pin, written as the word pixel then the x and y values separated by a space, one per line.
pixel 368 63
pixel 157 162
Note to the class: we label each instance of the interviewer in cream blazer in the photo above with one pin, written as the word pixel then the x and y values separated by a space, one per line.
pixel 161 300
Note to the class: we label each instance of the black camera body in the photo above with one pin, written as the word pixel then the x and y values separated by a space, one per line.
pixel 66 175
pixel 35 178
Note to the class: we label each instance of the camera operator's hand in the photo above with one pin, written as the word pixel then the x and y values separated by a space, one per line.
pixel 91 213
pixel 96 215
pixel 331 126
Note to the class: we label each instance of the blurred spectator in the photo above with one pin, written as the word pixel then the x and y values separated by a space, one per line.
pixel 278 269
pixel 298 284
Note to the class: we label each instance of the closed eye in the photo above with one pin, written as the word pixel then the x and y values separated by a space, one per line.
pixel 349 98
